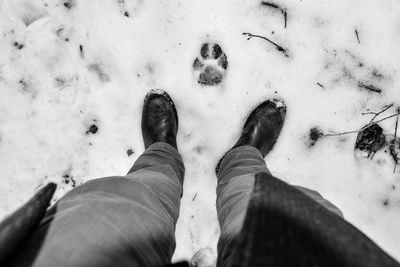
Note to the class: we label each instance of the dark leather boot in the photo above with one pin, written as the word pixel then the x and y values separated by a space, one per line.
pixel 159 119
pixel 262 127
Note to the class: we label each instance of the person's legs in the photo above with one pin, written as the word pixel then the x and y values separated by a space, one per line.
pixel 236 174
pixel 235 185
pixel 114 221
pixel 118 221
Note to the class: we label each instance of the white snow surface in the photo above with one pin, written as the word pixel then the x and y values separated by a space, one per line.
pixel 51 92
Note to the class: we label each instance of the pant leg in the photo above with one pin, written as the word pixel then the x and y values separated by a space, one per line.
pixel 285 227
pixel 320 199
pixel 235 184
pixel 114 221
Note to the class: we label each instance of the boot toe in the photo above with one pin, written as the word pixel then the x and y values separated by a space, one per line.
pixel 159 119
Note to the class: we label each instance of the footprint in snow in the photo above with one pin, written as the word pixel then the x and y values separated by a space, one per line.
pixel 210 67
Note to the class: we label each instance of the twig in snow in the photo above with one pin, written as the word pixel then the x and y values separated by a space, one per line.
pixel 285 17
pixel 397 124
pixel 376 122
pixel 392 149
pixel 376 114
pixel 366 126
pixel 370 137
pixel 278 47
pixel 320 85
pixel 282 10
pixel 194 197
pixel 338 134
pixel 270 4
pixel 370 87
pixel 358 38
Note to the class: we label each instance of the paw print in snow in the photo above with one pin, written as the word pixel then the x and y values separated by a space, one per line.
pixel 210 67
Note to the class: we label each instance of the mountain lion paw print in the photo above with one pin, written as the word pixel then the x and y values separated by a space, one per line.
pixel 210 67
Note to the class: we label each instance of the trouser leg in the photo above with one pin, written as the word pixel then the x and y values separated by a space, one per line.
pixel 114 221
pixel 235 184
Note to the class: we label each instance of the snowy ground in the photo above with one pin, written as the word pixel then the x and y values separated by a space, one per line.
pixel 66 66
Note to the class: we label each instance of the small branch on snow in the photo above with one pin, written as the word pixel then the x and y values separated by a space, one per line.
pixel 275 6
pixel 285 17
pixel 270 4
pixel 392 149
pixel 376 114
pixel 392 146
pixel 376 122
pixel 338 134
pixel 366 126
pixel 358 38
pixel 369 87
pixel 278 47
pixel 397 124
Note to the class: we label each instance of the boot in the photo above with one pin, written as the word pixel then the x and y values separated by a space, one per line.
pixel 159 119
pixel 262 127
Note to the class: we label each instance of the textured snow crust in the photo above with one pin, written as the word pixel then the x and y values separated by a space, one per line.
pixel 74 73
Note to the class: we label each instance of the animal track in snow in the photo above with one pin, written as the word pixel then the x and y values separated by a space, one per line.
pixel 210 67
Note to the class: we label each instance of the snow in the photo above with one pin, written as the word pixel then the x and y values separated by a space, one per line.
pixel 68 65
